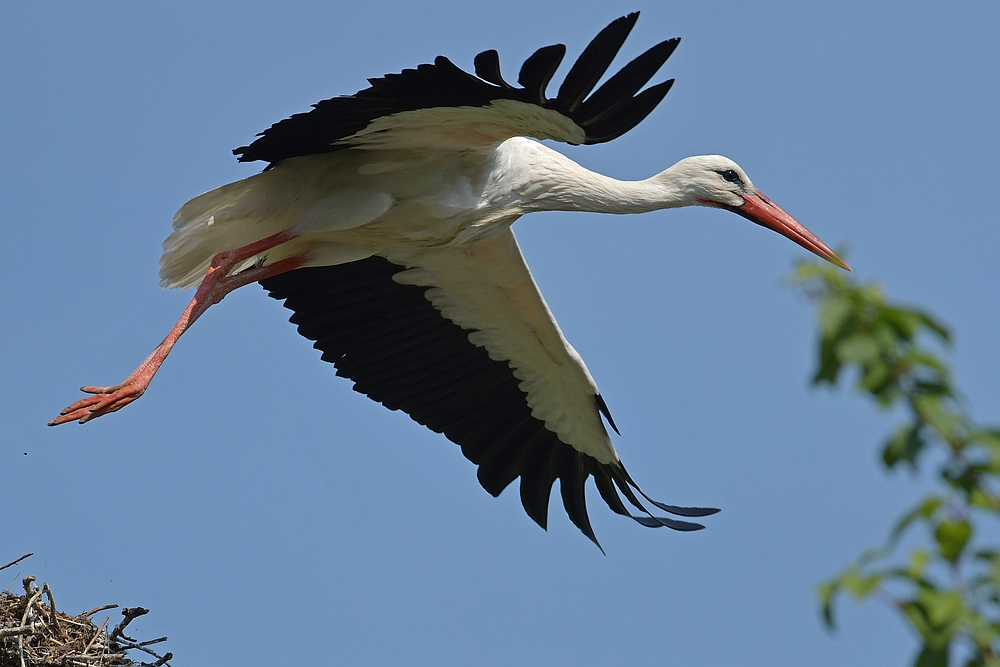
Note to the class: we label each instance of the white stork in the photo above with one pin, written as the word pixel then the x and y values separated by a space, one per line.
pixel 383 219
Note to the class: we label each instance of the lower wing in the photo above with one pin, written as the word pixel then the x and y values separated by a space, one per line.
pixel 461 340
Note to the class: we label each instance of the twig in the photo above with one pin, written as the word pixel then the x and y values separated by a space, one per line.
pixel 15 562
pixel 130 614
pixel 27 607
pixel 97 609
pixel 162 661
pixel 94 638
pixel 152 641
pixel 52 608
pixel 27 582
pixel 159 660
pixel 72 622
pixel 23 630
pixel 88 660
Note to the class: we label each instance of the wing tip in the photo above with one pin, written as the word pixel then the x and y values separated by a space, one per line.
pixel 602 408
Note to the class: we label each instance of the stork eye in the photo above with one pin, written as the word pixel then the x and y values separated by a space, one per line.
pixel 731 176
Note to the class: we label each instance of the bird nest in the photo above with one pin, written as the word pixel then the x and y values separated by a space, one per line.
pixel 33 633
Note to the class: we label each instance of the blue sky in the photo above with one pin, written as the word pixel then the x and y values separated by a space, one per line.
pixel 259 507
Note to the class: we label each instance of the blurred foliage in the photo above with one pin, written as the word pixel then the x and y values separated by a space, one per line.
pixel 948 588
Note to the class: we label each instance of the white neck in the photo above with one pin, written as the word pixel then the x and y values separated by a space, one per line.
pixel 552 182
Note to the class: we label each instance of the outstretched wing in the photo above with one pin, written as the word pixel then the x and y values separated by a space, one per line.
pixel 462 341
pixel 441 106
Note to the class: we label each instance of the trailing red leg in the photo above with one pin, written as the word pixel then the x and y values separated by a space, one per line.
pixel 216 284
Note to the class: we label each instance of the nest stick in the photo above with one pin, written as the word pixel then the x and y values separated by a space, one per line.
pixel 93 639
pixel 130 614
pixel 97 609
pixel 52 610
pixel 27 607
pixel 12 632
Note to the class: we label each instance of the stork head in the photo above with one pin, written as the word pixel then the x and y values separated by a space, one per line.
pixel 714 180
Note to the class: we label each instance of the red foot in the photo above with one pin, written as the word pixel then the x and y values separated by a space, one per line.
pixel 105 401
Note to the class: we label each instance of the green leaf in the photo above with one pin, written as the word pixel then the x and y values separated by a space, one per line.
pixel 978 497
pixel 877 379
pixel 932 657
pixel 936 616
pixel 932 388
pixel 987 437
pixel 918 563
pixel 917 615
pixel 905 446
pixel 858 584
pixel 829 364
pixel 940 330
pixel 944 609
pixel 948 423
pixel 906 323
pixel 887 337
pixel 834 312
pixel 923 358
pixel 952 536
pixel 827 593
pixel 858 348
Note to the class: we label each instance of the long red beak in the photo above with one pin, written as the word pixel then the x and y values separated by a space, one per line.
pixel 761 210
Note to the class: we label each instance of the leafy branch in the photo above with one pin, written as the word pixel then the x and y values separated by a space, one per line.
pixel 947 589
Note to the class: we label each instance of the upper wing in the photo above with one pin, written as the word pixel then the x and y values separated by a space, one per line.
pixel 443 107
pixel 461 340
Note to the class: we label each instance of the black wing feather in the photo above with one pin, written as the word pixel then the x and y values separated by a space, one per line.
pixel 627 82
pixel 487 67
pixel 537 71
pixel 402 352
pixel 537 478
pixel 572 478
pixel 602 407
pixel 610 112
pixel 628 114
pixel 594 62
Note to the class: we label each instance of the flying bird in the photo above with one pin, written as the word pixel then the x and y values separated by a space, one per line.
pixel 383 220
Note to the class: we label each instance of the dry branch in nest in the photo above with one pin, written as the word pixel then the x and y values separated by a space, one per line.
pixel 33 633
